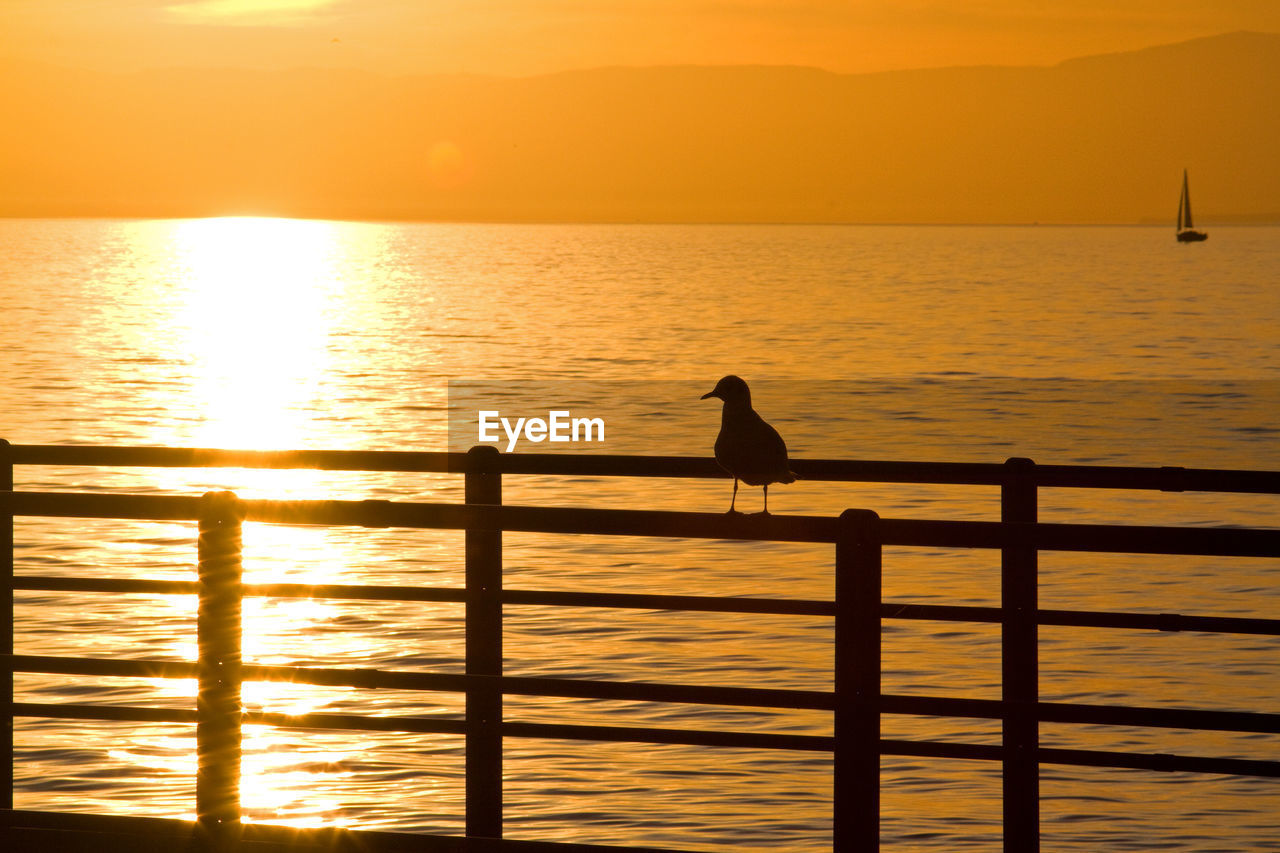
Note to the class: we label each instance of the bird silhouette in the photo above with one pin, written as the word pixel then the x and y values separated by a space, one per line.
pixel 747 447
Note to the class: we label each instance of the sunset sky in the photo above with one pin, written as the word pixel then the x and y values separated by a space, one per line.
pixel 520 37
pixel 641 110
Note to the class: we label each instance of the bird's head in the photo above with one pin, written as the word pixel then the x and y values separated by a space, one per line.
pixel 732 390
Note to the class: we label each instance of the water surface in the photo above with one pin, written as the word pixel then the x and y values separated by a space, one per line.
pixel 1069 345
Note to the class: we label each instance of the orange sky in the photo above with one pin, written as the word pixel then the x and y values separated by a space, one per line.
pixel 520 37
pixel 265 107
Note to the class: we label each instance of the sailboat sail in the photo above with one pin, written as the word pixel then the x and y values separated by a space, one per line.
pixel 1186 231
pixel 1184 210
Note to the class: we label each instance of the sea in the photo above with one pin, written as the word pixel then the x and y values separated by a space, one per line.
pixel 1100 345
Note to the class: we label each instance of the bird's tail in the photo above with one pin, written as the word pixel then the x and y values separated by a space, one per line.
pixel 789 478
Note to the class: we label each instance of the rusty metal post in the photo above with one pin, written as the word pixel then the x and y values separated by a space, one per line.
pixel 1019 566
pixel 218 709
pixel 856 796
pixel 6 626
pixel 484 651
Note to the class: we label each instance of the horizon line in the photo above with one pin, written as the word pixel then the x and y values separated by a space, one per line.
pixel 1228 221
pixel 735 66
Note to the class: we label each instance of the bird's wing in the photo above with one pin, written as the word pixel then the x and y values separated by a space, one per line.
pixel 778 456
pixel 760 453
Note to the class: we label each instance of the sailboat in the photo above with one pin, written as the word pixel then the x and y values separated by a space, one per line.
pixel 1187 232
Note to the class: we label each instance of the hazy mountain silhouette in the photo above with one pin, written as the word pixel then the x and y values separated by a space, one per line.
pixel 1102 139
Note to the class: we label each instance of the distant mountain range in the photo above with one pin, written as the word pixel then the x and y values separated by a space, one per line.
pixel 1099 139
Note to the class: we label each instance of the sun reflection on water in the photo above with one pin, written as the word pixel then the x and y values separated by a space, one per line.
pixel 259 304
pixel 278 781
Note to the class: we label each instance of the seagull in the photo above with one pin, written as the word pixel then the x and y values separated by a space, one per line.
pixel 747 447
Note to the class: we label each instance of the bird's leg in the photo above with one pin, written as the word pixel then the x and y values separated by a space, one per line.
pixel 735 495
pixel 766 499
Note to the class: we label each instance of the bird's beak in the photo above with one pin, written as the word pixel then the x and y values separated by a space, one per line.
pixel 708 394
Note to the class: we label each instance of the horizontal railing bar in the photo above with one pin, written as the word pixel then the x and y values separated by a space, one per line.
pixel 570 520
pixel 942 749
pixel 1132 539
pixel 1049 712
pixel 144 832
pixel 648 601
pixel 701 467
pixel 441 682
pixel 33 583
pixel 351 722
pixel 368 678
pixel 1202 541
pixel 932 749
pixel 941 706
pixel 377 513
pixel 1087 619
pixel 552 598
pixel 558 687
pixel 354 591
pixel 641 601
pixel 1126 539
pixel 1088 758
pixel 1165 479
pixel 105 456
pixel 426 725
pixel 691 603
pixel 1161 622
pixel 1168 718
pixel 263 590
pixel 1159 761
pixel 53 665
pixel 843 470
pixel 83 505
pixel 108 713
pixel 689 737
pixel 745 740
pixel 645 691
pixel 356 722
pixel 1108 715
pixel 940 612
pixel 772 606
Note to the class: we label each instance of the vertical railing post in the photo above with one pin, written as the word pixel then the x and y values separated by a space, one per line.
pixel 856 795
pixel 484 651
pixel 6 623
pixel 1020 661
pixel 218 708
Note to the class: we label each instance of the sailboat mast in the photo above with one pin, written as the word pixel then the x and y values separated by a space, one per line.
pixel 1184 212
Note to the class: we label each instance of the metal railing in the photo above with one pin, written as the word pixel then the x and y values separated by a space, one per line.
pixel 856 700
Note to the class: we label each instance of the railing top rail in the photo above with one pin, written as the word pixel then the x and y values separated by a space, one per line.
pixel 111 456
pixel 439 516
pixel 612 465
pixel 1133 539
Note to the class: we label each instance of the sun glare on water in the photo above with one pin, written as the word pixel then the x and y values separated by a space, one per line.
pixel 246 12
pixel 256 304
pixel 258 310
